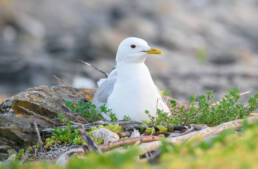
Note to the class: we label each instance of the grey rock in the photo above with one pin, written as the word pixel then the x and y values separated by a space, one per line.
pixel 42 39
pixel 106 135
pixel 40 105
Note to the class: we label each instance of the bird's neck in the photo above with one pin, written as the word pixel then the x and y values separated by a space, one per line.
pixel 133 72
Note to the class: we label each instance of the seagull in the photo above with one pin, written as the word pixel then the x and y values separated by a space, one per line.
pixel 129 89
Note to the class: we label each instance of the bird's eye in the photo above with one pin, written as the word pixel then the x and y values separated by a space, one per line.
pixel 133 46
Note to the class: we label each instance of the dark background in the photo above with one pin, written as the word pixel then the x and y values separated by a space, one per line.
pixel 208 44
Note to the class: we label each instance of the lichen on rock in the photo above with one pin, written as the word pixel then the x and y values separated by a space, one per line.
pixel 41 105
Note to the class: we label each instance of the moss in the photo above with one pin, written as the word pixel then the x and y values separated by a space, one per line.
pixel 33 107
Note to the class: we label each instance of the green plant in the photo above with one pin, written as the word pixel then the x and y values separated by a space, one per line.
pixel 90 112
pixel 206 111
pixel 230 149
pixel 20 154
pixel 201 54
pixel 162 121
pixel 166 92
pixel 162 118
pixel 108 161
pixel 67 135
pixel 150 130
pixel 211 112
pixel 108 112
pixel 126 117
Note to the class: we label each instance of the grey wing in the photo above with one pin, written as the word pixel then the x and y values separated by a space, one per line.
pixel 105 89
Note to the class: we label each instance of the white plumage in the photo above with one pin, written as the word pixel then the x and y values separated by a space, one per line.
pixel 129 89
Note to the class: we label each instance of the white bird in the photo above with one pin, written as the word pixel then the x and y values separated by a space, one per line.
pixel 129 89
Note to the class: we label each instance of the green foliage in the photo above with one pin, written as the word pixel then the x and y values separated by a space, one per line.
pixel 67 135
pixel 162 119
pixel 108 112
pixel 126 117
pixel 227 109
pixel 20 154
pixel 230 149
pixel 93 161
pixel 162 129
pixel 207 111
pixel 201 54
pixel 90 112
pixel 166 92
pixel 116 128
pixel 253 103
pixel 150 130
pixel 108 161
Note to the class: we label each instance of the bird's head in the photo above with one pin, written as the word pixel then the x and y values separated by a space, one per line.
pixel 134 50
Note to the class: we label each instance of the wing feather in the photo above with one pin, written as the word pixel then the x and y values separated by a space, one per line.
pixel 105 89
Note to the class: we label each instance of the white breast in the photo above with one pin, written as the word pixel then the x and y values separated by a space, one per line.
pixel 134 92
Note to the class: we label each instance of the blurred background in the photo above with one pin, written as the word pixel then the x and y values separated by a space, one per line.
pixel 208 45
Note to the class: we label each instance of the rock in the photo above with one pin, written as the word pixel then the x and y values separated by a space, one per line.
pixel 37 42
pixel 135 133
pixel 41 105
pixel 106 135
pixel 63 159
pixel 4 151
pixel 9 160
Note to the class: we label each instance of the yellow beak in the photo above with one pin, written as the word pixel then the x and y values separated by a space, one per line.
pixel 154 51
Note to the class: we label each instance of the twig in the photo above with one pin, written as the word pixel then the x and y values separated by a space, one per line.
pixel 24 158
pixel 155 156
pixel 94 67
pixel 38 134
pixel 141 139
pixel 76 123
pixel 193 127
pixel 241 94
pixel 63 158
pixel 90 143
pixel 61 81
pixel 127 125
pixel 236 124
pixel 125 134
pixel 254 114
pixel 244 93
pixel 36 115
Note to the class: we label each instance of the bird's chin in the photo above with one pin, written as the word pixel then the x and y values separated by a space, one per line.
pixel 142 53
pixel 136 57
pixel 138 54
pixel 141 57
